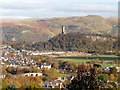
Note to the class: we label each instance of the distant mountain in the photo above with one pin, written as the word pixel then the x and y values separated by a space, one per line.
pixel 35 30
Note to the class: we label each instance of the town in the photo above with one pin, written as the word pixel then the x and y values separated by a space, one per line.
pixel 49 73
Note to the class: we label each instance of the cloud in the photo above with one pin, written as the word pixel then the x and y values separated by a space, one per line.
pixel 58 1
pixel 51 8
pixel 14 17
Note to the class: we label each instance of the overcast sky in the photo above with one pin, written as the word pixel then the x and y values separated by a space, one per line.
pixel 57 8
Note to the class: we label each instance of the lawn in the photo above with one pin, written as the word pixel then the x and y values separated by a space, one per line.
pixel 83 59
pixel 101 57
pixel 63 75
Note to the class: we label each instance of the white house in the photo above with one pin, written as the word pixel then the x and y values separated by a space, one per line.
pixel 2 76
pixel 46 66
pixel 118 69
pixel 32 74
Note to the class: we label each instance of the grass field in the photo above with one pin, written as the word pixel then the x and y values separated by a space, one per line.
pixel 105 59
pixel 63 75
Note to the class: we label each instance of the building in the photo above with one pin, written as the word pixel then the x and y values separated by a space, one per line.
pixel 32 74
pixel 63 29
pixel 2 76
pixel 45 66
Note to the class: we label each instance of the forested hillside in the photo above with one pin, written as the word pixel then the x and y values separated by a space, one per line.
pixel 92 43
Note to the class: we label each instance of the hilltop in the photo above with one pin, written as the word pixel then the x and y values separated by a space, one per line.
pixel 36 30
pixel 90 43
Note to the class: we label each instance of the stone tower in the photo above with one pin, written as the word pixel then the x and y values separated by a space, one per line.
pixel 63 29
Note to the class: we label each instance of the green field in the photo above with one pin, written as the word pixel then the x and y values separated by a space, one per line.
pixel 63 75
pixel 107 60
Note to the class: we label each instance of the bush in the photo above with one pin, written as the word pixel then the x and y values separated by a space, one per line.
pixel 11 87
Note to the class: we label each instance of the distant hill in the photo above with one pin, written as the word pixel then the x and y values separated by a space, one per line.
pixel 25 30
pixel 36 30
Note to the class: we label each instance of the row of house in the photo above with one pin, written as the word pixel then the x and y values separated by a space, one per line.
pixel 14 58
pixel 58 83
pixel 45 53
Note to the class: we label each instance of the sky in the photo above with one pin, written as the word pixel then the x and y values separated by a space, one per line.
pixel 57 8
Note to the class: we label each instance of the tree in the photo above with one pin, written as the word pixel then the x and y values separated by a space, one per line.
pixel 11 87
pixel 11 70
pixel 82 68
pixel 111 77
pixel 103 77
pixel 55 65
pixel 85 79
pixel 83 82
pixel 4 83
pixel 34 69
pixel 113 70
pixel 30 82
pixel 89 79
